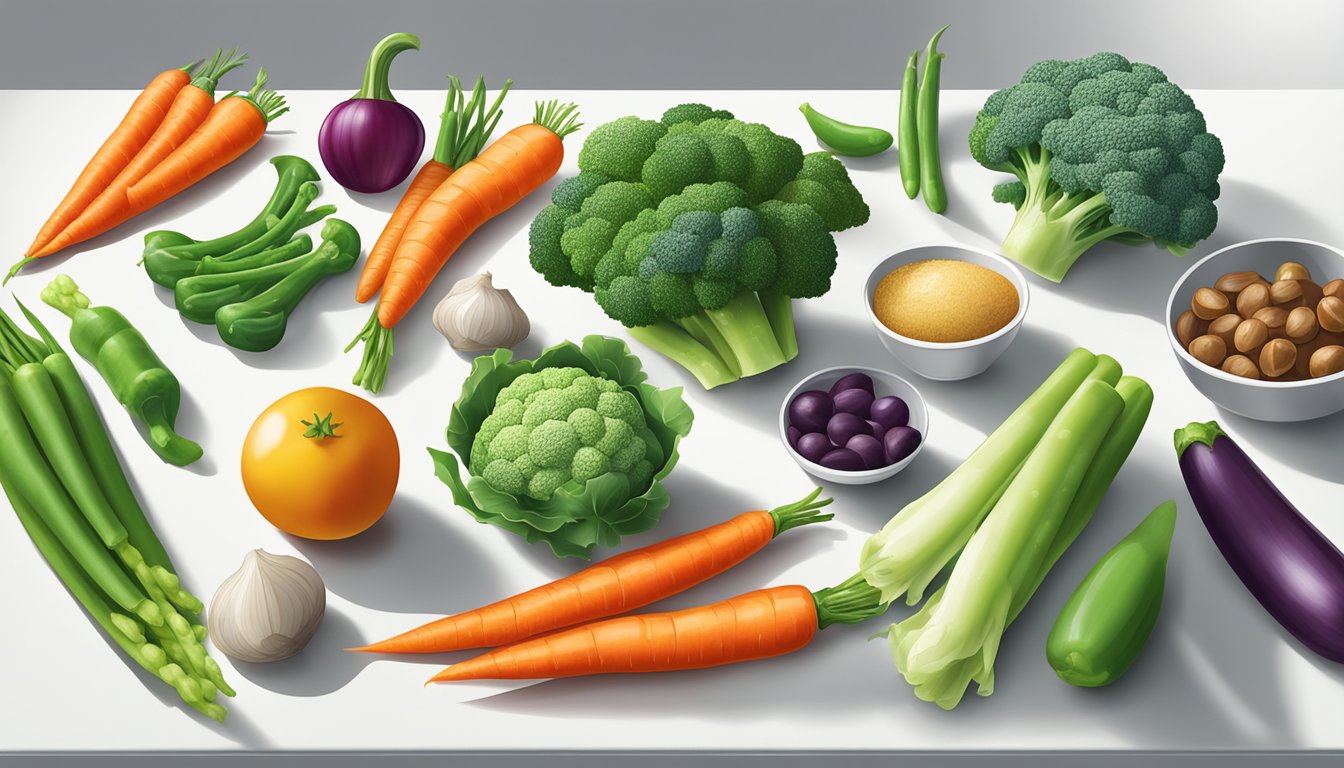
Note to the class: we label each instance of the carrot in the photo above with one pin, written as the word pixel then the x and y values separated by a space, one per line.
pixel 130 135
pixel 234 125
pixel 506 172
pixel 622 583
pixel 460 140
pixel 757 625
pixel 189 109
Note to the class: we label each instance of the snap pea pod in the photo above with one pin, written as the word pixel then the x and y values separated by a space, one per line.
pixel 930 160
pixel 200 296
pixel 908 127
pixel 122 356
pixel 845 138
pixel 1106 622
pixel 259 323
pixel 166 266
pixel 294 248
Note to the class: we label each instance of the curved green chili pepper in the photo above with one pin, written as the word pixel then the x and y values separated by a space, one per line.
pixel 908 128
pixel 1106 622
pixel 930 161
pixel 259 323
pixel 293 249
pixel 124 359
pixel 844 138
pixel 200 296
pixel 165 250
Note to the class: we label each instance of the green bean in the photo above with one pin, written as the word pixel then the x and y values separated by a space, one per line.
pixel 845 138
pixel 930 163
pixel 908 128
pixel 41 405
pixel 33 479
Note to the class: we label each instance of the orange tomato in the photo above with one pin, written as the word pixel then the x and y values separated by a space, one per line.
pixel 321 463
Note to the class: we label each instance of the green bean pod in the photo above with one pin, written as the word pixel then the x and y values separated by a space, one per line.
pixel 908 128
pixel 199 297
pixel 282 231
pixel 845 138
pixel 291 250
pixel 930 160
pixel 1107 621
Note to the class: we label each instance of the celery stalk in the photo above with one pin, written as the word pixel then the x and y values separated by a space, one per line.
pixel 955 639
pixel 922 538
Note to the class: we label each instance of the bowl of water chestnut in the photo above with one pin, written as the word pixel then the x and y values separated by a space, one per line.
pixel 1258 328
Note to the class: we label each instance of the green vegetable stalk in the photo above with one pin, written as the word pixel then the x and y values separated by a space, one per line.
pixel 940 645
pixel 920 540
pixel 140 381
pixel 1106 622
pixel 198 297
pixel 258 323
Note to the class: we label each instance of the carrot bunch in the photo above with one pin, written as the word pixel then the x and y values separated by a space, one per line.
pixel 174 135
pixel 451 197
pixel 563 629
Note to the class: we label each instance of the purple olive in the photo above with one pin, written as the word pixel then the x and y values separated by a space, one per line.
pixel 843 426
pixel 842 459
pixel 879 431
pixel 792 434
pixel 869 449
pixel 810 411
pixel 813 445
pixel 855 401
pixel 853 381
pixel 890 411
pixel 900 442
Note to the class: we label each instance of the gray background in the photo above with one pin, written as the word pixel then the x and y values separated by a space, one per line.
pixel 658 44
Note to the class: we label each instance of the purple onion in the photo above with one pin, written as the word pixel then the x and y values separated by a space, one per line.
pixel 890 411
pixel 853 381
pixel 371 143
pixel 879 431
pixel 855 401
pixel 792 434
pixel 843 426
pixel 842 459
pixel 900 442
pixel 810 411
pixel 869 449
pixel 813 445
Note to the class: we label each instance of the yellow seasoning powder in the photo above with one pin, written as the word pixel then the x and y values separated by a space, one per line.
pixel 943 300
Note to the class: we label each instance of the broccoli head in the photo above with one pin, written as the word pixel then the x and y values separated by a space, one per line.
pixel 1104 149
pixel 696 232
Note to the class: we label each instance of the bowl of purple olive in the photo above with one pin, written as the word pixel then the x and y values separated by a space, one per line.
pixel 853 425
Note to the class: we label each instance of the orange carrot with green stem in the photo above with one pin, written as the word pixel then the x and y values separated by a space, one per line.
pixel 460 140
pixel 756 625
pixel 507 171
pixel 189 109
pixel 622 583
pixel 235 124
pixel 135 128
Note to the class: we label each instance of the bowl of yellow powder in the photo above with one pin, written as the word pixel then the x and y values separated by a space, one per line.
pixel 945 310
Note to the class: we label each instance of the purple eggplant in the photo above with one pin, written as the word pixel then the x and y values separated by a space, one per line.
pixel 371 143
pixel 1294 571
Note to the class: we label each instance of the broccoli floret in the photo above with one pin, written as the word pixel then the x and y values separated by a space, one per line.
pixel 672 295
pixel 804 249
pixel 1103 150
pixel 618 202
pixel 544 249
pixel 715 198
pixel 757 266
pixel 545 482
pixel 626 300
pixel 678 252
pixel 618 149
pixel 588 425
pixel 713 293
pixel 678 161
pixel 504 476
pixel 775 159
pixel 693 113
pixel 589 463
pixel 704 225
pixel 510 443
pixel 721 258
pixel 739 224
pixel 570 193
pixel 824 184
pixel 586 244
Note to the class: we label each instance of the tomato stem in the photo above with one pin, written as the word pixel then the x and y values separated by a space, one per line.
pixel 320 427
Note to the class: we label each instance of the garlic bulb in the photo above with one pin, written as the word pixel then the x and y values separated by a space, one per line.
pixel 269 609
pixel 476 316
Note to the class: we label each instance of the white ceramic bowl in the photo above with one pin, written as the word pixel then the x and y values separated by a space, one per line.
pixel 1252 398
pixel 884 384
pixel 947 361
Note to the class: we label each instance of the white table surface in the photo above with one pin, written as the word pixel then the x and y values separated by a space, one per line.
pixel 1218 674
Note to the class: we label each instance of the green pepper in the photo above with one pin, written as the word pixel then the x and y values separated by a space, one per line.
pixel 845 138
pixel 259 323
pixel 166 251
pixel 198 297
pixel 293 249
pixel 1106 622
pixel 138 379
